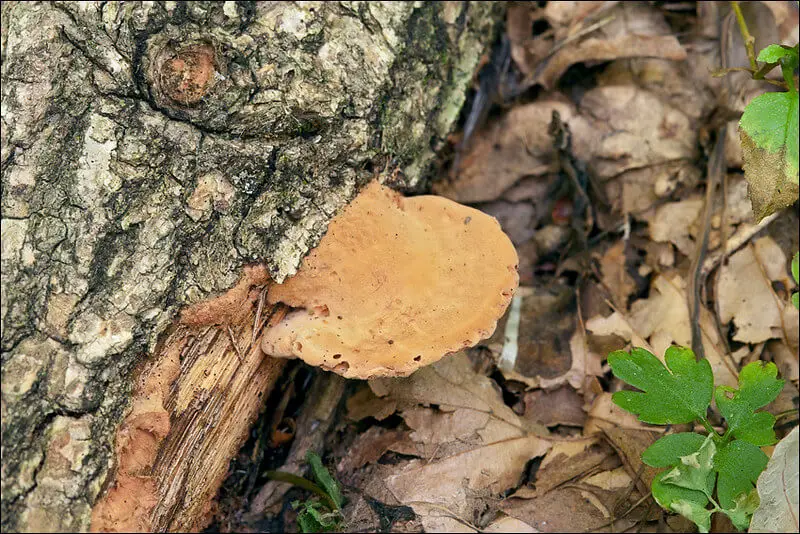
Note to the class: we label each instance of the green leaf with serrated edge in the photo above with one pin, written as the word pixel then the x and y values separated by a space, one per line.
pixel 739 464
pixel 307 523
pixel 758 386
pixel 678 393
pixel 324 517
pixel 695 471
pixel 668 450
pixel 770 120
pixel 744 506
pixel 691 504
pixel 773 53
pixel 324 478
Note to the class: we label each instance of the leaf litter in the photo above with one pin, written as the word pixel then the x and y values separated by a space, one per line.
pixel 520 434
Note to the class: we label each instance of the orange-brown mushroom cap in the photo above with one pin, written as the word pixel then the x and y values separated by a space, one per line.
pixel 395 284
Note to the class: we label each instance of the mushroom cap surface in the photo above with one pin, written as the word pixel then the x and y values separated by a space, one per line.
pixel 395 284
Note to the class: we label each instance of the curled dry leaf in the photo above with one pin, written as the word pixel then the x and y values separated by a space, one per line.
pixel 452 486
pixel 635 30
pixel 472 445
pixel 451 384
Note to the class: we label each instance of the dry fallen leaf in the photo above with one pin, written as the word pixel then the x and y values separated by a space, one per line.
pixel 563 406
pixel 778 490
pixel 569 459
pixel 368 447
pixel 568 509
pixel 445 491
pixel 745 294
pixel 538 344
pixel 636 129
pixel 634 30
pixel 450 384
pixel 673 223
pixel 663 318
pixel 515 146
pixel 364 403
pixel 615 275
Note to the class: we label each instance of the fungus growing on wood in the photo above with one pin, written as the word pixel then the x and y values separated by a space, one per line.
pixel 395 284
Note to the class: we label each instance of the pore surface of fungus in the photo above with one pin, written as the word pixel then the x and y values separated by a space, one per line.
pixel 396 283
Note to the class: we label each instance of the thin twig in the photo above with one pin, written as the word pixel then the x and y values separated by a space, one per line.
pixel 716 168
pixel 749 40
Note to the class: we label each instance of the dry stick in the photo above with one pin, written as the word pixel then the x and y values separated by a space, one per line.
pixel 749 40
pixel 716 167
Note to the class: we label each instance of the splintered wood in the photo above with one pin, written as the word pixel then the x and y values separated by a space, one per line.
pixel 194 402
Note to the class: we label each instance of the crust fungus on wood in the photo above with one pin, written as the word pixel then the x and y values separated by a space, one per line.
pixel 192 408
pixel 394 285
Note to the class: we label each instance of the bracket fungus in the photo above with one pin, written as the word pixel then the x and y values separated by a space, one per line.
pixel 395 284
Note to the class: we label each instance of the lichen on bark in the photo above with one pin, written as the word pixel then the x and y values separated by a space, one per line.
pixel 148 151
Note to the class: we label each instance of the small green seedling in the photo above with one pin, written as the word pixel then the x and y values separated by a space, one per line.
pixel 321 512
pixel 716 469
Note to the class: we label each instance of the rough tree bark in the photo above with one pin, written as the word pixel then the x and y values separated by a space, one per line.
pixel 149 151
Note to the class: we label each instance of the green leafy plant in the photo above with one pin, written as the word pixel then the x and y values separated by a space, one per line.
pixel 322 512
pixel 716 470
pixel 768 128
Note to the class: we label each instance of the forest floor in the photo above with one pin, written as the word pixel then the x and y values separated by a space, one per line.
pixel 590 138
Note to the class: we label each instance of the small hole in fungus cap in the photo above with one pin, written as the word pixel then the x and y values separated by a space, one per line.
pixel 342 367
pixel 391 342
pixel 417 358
pixel 337 356
pixel 298 346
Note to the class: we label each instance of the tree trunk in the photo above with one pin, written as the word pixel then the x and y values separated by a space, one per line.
pixel 149 151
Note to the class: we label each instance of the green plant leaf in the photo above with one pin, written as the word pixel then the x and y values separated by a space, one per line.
pixel 774 53
pixel 695 471
pixel 307 523
pixel 744 506
pixel 768 131
pixel 668 450
pixel 758 386
pixel 739 464
pixel 691 504
pixel 325 479
pixel 678 393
